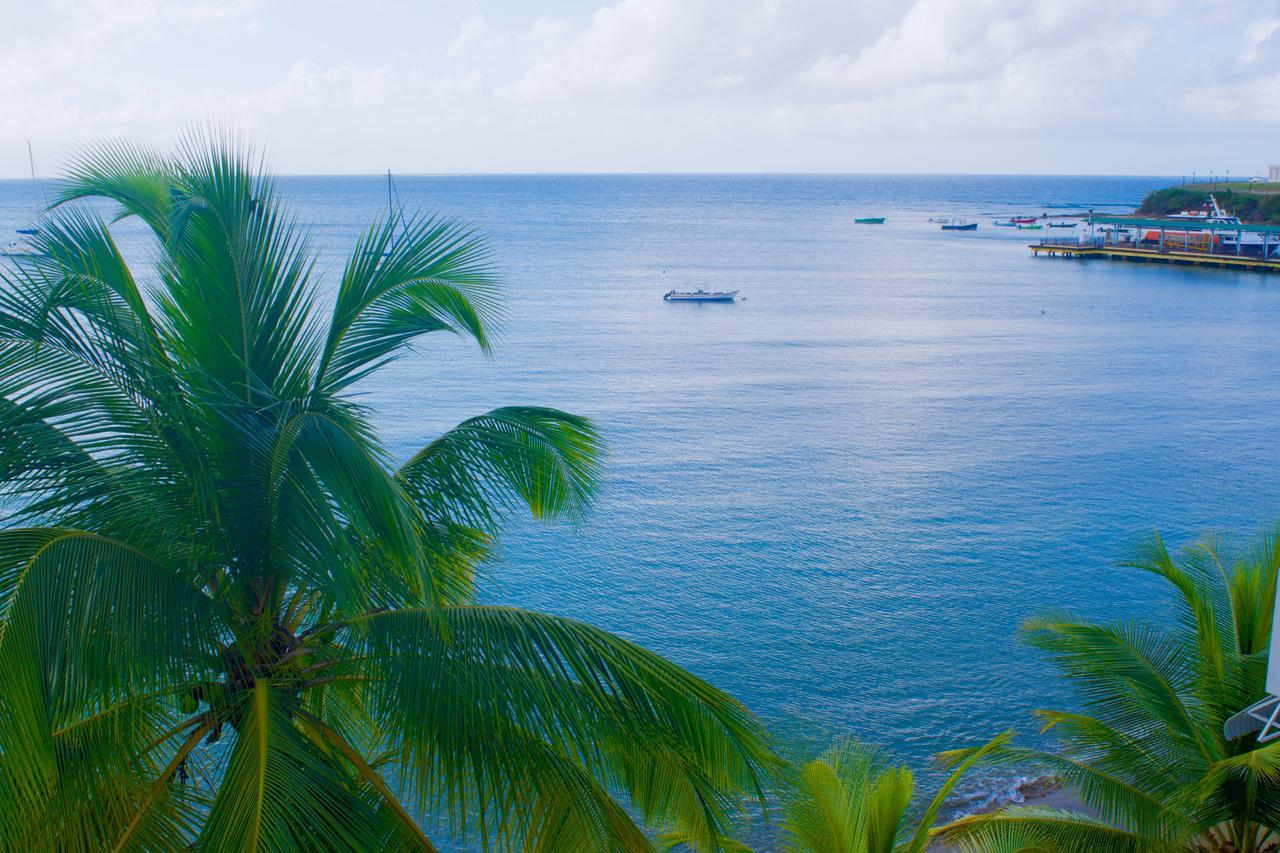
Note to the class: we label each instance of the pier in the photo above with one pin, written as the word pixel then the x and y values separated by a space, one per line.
pixel 1226 245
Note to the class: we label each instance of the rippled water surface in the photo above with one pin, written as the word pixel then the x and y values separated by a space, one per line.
pixel 839 497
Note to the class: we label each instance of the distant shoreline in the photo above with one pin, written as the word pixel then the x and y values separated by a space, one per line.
pixel 1255 204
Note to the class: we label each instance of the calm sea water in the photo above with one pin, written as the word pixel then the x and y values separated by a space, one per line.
pixel 839 497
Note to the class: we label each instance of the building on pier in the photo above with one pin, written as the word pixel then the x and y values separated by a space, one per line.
pixel 1216 240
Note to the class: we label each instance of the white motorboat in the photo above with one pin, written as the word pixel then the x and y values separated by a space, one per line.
pixel 700 295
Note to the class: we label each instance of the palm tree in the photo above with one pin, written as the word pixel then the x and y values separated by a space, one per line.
pixel 1147 755
pixel 228 620
pixel 851 799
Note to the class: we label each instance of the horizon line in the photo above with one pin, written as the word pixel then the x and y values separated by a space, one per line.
pixel 705 174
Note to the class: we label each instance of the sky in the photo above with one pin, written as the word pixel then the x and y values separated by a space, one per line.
pixel 1150 87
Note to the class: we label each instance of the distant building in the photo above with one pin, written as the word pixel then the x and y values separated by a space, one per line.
pixel 1273 174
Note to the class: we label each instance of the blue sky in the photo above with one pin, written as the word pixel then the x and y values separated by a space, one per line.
pixel 1077 86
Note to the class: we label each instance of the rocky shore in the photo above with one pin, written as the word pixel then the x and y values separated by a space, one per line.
pixel 1043 791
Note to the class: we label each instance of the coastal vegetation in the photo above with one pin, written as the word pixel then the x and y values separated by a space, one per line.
pixel 1251 205
pixel 851 799
pixel 230 620
pixel 1145 757
pixel 1147 754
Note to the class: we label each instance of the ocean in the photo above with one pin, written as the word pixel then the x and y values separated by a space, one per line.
pixel 839 497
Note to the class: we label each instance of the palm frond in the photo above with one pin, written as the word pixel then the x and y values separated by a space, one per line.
pixel 1126 674
pixel 435 276
pixel 849 799
pixel 137 178
pixel 280 792
pixel 1147 752
pixel 552 683
pixel 544 459
pixel 1027 828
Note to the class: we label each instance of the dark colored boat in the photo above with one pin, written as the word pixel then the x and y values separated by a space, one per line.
pixel 870 220
pixel 960 226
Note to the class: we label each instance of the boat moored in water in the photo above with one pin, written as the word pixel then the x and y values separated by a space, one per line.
pixel 959 225
pixel 870 220
pixel 26 244
pixel 700 295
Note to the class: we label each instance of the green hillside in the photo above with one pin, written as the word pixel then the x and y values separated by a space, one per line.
pixel 1251 205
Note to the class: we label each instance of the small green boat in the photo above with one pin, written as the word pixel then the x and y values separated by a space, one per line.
pixel 870 220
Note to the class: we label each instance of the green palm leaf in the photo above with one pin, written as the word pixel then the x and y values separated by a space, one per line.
pixel 1029 829
pixel 852 800
pixel 1147 754
pixel 433 277
pixel 670 743
pixel 543 459
pixel 279 792
pixel 228 621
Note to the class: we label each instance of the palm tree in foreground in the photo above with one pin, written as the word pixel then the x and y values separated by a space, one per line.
pixel 228 621
pixel 1147 755
pixel 852 800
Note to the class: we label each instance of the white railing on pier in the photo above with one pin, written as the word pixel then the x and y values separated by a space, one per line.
pixel 1092 242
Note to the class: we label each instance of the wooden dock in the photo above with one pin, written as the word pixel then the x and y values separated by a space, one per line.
pixel 1069 248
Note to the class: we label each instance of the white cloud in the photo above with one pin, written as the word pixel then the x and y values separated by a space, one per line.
pixel 666 84
pixel 1261 41
pixel 957 41
pixel 651 48
pixel 726 81
pixel 311 84
pixel 1244 103
pixel 474 30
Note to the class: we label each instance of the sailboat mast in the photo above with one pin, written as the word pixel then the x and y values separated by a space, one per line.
pixel 35 179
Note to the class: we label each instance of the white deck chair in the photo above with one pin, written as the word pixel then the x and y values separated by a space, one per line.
pixel 1264 714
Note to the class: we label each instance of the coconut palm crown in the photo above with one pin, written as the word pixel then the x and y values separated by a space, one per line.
pixel 1146 753
pixel 852 799
pixel 229 620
